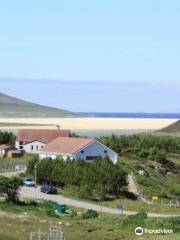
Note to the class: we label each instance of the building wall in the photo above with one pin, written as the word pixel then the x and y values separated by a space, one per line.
pixel 2 152
pixel 53 156
pixel 94 150
pixel 17 145
pixel 33 147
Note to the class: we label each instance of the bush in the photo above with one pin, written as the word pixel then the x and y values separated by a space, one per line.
pixel 10 187
pixel 143 153
pixel 89 179
pixel 89 214
pixel 143 145
pixel 128 195
pixel 175 189
pixel 135 220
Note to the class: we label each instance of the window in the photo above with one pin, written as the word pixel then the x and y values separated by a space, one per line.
pixel 91 157
pixel 37 147
pixel 82 151
pixel 32 148
pixel 105 151
pixel 21 147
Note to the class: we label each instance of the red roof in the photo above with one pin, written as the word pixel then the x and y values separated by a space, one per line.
pixel 67 145
pixel 44 135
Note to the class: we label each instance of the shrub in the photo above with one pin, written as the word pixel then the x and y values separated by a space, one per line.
pixel 135 220
pixel 89 214
pixel 175 189
pixel 128 195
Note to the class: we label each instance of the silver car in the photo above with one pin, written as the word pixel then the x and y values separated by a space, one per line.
pixel 28 182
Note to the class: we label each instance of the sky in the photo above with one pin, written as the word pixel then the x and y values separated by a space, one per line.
pixel 104 56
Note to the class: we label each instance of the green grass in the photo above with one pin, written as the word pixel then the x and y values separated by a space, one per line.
pixel 152 184
pixel 174 157
pixel 170 134
pixel 18 221
pixel 14 107
pixel 132 205
pixel 22 159
pixel 160 206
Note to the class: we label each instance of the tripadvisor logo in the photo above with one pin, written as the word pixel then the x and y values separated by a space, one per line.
pixel 139 231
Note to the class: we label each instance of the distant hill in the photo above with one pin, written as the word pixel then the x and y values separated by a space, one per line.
pixel 14 107
pixel 173 128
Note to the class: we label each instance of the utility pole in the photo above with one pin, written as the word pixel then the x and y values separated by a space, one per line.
pixel 58 127
pixel 35 180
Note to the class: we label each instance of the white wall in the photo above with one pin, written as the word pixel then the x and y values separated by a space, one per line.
pixel 37 146
pixel 96 149
pixel 53 155
pixel 17 145
pixel 2 152
pixel 93 150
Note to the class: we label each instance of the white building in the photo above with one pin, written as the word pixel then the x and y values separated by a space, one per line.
pixel 32 147
pixel 33 140
pixel 86 149
pixel 4 148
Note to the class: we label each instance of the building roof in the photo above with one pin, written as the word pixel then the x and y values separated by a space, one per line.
pixel 4 146
pixel 43 135
pixel 67 145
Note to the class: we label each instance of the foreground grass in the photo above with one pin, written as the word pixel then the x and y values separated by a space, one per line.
pixel 17 221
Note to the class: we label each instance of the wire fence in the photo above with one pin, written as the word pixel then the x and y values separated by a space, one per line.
pixel 53 233
pixel 10 167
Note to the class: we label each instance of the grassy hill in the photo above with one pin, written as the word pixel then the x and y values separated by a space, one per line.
pixel 173 128
pixel 14 107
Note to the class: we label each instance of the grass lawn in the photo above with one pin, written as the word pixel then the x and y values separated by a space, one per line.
pixel 130 205
pixel 18 221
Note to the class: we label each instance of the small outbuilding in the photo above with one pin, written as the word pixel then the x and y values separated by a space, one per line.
pixel 4 149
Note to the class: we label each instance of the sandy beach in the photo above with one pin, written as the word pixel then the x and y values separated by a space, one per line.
pixel 91 123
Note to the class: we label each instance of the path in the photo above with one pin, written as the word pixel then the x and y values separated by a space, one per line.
pixel 27 192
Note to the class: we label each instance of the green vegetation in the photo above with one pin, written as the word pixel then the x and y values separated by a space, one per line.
pixel 157 157
pixel 10 164
pixel 7 138
pixel 95 181
pixel 142 220
pixel 89 214
pixel 173 128
pixel 14 107
pixel 17 221
pixel 153 160
pixel 146 146
pixel 10 187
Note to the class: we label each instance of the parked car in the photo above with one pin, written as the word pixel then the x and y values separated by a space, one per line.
pixel 28 182
pixel 49 189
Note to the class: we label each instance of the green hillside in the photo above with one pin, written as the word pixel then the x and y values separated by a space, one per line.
pixel 173 128
pixel 14 107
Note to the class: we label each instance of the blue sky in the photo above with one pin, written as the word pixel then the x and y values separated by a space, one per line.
pixel 92 55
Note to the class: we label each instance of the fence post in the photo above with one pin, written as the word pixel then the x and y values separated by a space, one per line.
pixel 39 234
